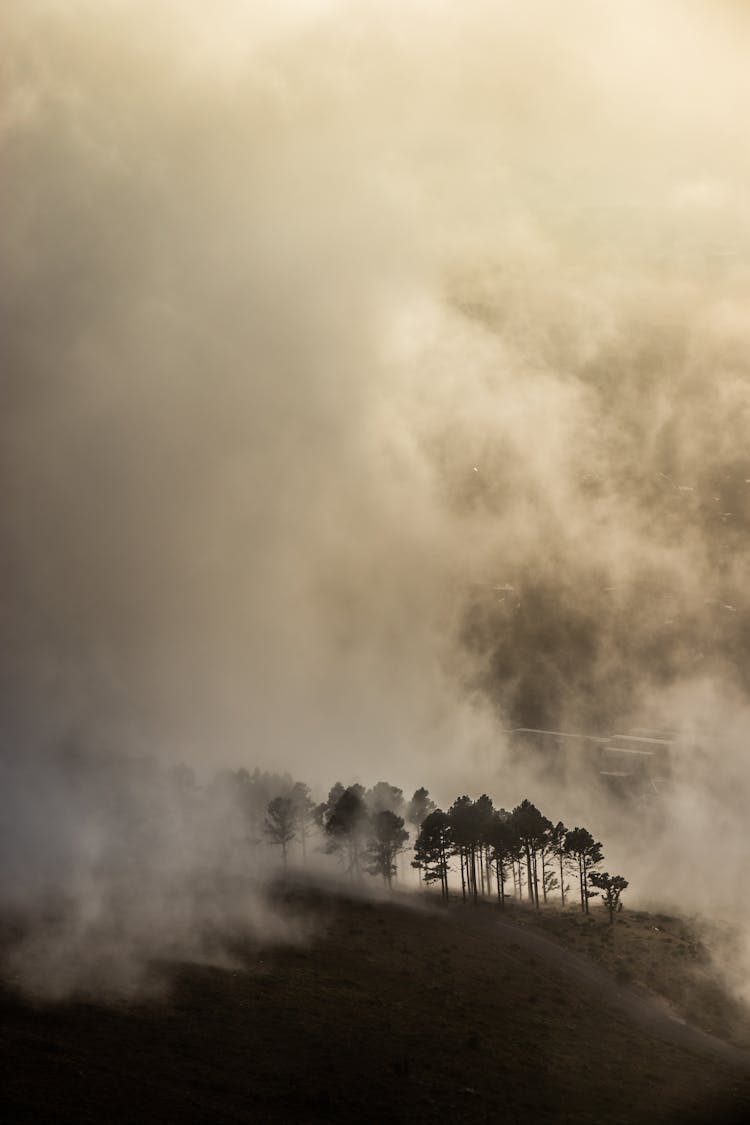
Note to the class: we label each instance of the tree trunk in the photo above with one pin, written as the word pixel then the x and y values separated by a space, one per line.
pixel 562 882
pixel 536 884
pixel 500 887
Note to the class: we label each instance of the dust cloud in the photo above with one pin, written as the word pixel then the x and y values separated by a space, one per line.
pixel 375 379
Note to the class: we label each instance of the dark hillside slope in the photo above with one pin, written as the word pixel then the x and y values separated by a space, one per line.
pixel 687 961
pixel 390 1014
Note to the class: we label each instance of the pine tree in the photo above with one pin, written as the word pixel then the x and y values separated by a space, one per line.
pixel 304 813
pixel 611 887
pixel 279 824
pixel 531 828
pixel 387 838
pixel 586 853
pixel 501 840
pixel 557 849
pixel 345 826
pixel 433 849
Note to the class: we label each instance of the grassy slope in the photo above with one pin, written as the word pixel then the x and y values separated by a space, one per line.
pixel 390 1014
pixel 662 952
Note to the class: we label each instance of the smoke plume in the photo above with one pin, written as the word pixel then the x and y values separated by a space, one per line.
pixel 375 379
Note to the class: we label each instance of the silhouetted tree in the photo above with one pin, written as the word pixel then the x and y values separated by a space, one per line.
pixel 433 849
pixel 548 880
pixel 551 882
pixel 464 826
pixel 419 807
pixel 455 816
pixel 470 822
pixel 417 810
pixel 280 823
pixel 386 840
pixel 516 853
pixel 611 887
pixel 557 849
pixel 345 826
pixel 501 840
pixel 531 828
pixel 482 814
pixel 322 812
pixel 586 852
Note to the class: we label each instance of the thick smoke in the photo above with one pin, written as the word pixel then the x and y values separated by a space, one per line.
pixel 375 379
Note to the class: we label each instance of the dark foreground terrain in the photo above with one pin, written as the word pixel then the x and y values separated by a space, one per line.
pixel 389 1014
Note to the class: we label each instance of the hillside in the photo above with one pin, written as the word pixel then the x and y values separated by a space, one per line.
pixel 390 1013
pixel 672 956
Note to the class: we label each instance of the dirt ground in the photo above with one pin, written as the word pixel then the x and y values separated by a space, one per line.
pixel 390 1013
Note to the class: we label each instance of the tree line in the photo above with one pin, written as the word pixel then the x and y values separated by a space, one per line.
pixel 521 848
pixel 363 827
pixel 496 852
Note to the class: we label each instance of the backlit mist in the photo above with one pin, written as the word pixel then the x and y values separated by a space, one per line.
pixel 376 378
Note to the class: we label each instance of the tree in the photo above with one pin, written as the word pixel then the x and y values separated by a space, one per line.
pixel 386 840
pixel 384 797
pixel 482 814
pixel 531 828
pixel 254 792
pixel 586 852
pixel 280 823
pixel 515 856
pixel 549 879
pixel 433 849
pixel 557 849
pixel 551 882
pixel 322 812
pixel 419 807
pixel 345 825
pixel 465 823
pixel 417 811
pixel 304 812
pixel 611 887
pixel 501 840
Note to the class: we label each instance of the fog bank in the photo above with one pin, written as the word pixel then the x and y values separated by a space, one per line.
pixel 375 379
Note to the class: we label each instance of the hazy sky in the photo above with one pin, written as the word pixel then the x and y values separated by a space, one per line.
pixel 375 375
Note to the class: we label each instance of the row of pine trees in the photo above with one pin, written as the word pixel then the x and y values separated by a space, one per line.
pixel 494 852
pixel 522 848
